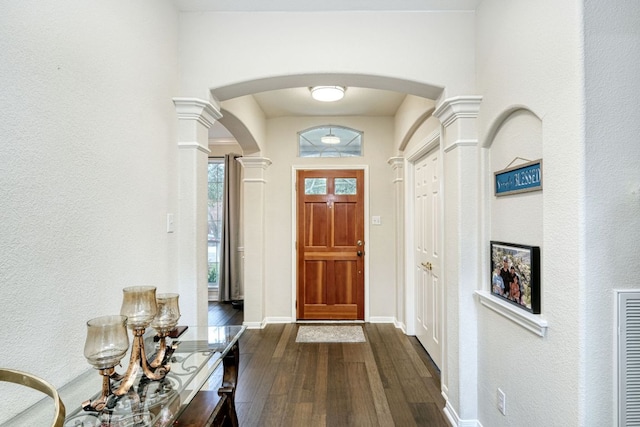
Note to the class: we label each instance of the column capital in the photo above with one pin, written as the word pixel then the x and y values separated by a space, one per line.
pixel 197 109
pixel 254 162
pixel 457 107
pixel 396 162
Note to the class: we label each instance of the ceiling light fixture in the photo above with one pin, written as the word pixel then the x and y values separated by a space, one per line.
pixel 327 93
pixel 330 139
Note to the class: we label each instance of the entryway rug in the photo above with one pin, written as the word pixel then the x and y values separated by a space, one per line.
pixel 330 333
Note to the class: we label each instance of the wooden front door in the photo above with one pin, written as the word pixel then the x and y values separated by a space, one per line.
pixel 330 244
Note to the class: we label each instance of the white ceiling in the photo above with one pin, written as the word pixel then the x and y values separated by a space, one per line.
pixel 321 5
pixel 298 102
pixel 356 102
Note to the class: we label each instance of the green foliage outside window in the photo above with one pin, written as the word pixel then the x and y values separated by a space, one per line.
pixel 213 273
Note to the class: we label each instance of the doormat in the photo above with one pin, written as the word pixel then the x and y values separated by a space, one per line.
pixel 332 333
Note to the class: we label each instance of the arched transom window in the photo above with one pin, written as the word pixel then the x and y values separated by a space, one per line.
pixel 330 141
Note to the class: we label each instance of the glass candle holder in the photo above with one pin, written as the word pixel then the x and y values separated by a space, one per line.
pixel 168 313
pixel 106 344
pixel 139 305
pixel 165 320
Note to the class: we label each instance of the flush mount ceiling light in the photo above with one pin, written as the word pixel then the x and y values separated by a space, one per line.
pixel 327 93
pixel 330 139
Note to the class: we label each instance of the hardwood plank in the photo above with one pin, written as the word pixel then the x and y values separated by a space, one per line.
pixel 380 402
pixel 363 411
pixel 400 409
pixel 319 413
pixel 387 381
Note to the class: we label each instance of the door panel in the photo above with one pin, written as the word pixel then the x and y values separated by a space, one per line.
pixel 330 250
pixel 427 242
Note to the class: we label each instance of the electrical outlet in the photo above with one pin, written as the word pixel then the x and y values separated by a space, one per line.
pixel 502 402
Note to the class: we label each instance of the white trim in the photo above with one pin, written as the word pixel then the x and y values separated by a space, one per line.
pixel 294 200
pixel 461 143
pixel 430 143
pixel 382 319
pixel 409 252
pixel 254 162
pixel 283 319
pixel 197 109
pixel 193 145
pixel 531 322
pixel 457 107
pixel 254 325
pixel 454 419
pixel 396 162
pixel 260 180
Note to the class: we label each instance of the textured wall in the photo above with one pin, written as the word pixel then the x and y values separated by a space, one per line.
pixel 612 188
pixel 218 49
pixel 87 172
pixel 529 54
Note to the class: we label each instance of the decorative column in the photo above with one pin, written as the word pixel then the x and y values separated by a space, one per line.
pixel 397 164
pixel 253 207
pixel 458 116
pixel 195 117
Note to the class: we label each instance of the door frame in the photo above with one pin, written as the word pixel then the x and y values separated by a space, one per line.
pixel 431 143
pixel 294 223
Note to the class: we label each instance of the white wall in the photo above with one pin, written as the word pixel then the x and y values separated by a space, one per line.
pixel 223 48
pixel 282 150
pixel 611 187
pixel 529 54
pixel 88 172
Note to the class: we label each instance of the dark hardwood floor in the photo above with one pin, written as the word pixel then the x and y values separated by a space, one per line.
pixel 387 381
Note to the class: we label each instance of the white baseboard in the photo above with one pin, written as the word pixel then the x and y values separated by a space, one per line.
pixel 454 419
pixel 269 320
pixel 381 319
pixel 401 326
pixel 254 325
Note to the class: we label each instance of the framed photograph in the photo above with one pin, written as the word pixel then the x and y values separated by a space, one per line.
pixel 515 274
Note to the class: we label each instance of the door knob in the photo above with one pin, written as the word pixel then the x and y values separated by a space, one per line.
pixel 359 243
pixel 359 253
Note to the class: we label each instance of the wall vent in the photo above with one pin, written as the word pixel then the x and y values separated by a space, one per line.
pixel 629 358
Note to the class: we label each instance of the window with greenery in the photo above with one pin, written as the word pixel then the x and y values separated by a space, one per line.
pixel 216 189
pixel 330 141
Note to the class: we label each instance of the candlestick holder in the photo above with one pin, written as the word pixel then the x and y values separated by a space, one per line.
pixel 106 344
pixel 164 321
pixel 139 305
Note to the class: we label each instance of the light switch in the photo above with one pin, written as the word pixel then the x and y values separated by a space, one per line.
pixel 375 220
pixel 170 226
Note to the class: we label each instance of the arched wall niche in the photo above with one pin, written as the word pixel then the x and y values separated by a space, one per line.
pixel 514 138
pixel 503 118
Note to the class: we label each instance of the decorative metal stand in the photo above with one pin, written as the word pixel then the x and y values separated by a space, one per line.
pixel 138 360
pixel 107 342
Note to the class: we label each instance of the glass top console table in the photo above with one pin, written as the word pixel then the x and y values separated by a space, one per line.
pixel 200 351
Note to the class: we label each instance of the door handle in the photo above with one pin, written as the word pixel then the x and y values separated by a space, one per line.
pixel 359 253
pixel 427 265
